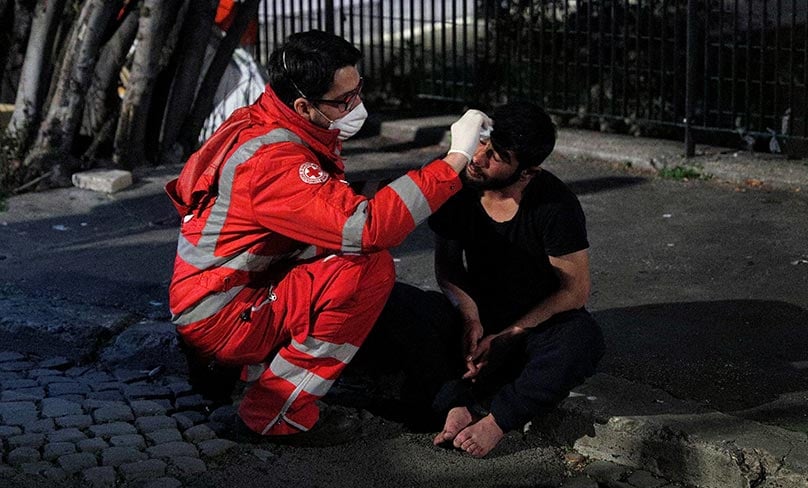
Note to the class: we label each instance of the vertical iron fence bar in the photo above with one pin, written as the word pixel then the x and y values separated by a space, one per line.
pixel 792 109
pixel 477 61
pixel 588 58
pixel 542 70
pixel 637 58
pixel 382 75
pixel 455 72
pixel 690 146
pixel 805 79
pixel 282 18
pixel 776 115
pixel 351 22
pixel 612 58
pixel 720 67
pixel 413 72
pixel 761 91
pixel 626 68
pixel 277 34
pixel 300 16
pixel 565 41
pixel 391 36
pixel 506 52
pixel 734 85
pixel 329 16
pixel 401 41
pixel 377 22
pixel 553 91
pixel 558 39
pixel 649 67
pixel 467 92
pixel 433 90
pixel 423 41
pixel 366 22
pixel 601 41
pixel 676 88
pixel 706 75
pixel 496 57
pixel 777 49
pixel 662 42
pixel 443 53
pixel 531 69
pixel 748 85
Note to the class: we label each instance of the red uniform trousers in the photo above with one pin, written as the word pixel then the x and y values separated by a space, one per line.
pixel 301 333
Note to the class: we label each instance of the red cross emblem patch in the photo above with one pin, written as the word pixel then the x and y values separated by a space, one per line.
pixel 312 173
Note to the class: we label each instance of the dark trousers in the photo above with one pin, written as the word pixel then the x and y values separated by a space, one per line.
pixel 417 335
pixel 420 333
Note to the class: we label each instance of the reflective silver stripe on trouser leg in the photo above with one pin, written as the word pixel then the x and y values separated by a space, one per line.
pixel 305 380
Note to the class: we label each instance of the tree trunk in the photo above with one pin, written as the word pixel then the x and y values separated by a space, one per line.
pixel 162 84
pixel 103 91
pixel 203 105
pixel 190 54
pixel 23 15
pixel 155 18
pixel 29 94
pixel 59 127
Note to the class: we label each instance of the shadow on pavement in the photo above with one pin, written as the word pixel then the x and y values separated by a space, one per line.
pixel 730 355
pixel 595 185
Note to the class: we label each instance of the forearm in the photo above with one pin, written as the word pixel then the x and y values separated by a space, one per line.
pixel 456 161
pixel 560 301
pixel 461 300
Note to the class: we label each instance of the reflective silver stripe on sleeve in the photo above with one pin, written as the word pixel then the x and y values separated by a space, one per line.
pixel 322 349
pixel 413 198
pixel 205 308
pixel 353 228
pixel 303 379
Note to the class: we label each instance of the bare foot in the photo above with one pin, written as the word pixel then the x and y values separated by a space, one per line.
pixel 479 438
pixel 456 420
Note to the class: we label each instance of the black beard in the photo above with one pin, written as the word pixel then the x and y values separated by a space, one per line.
pixel 489 184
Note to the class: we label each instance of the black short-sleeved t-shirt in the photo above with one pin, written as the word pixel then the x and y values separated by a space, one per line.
pixel 507 262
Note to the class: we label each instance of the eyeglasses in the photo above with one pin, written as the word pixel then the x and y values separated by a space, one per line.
pixel 347 101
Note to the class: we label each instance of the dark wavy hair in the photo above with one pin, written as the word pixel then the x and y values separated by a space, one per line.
pixel 312 58
pixel 524 129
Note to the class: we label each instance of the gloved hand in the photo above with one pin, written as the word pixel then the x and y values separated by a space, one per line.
pixel 466 132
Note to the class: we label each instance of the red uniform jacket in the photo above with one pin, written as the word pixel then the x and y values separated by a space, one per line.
pixel 266 186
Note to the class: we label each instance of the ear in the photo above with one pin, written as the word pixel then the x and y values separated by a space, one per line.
pixel 301 106
pixel 529 173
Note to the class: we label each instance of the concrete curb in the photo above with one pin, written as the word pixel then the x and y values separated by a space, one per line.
pixel 650 430
pixel 734 166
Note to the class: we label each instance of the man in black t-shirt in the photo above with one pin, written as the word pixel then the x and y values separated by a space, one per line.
pixel 511 257
pixel 509 337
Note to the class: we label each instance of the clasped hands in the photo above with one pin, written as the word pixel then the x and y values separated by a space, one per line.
pixel 477 349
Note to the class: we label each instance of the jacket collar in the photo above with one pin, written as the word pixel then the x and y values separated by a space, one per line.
pixel 324 142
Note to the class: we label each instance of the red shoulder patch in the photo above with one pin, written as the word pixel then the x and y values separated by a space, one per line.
pixel 312 173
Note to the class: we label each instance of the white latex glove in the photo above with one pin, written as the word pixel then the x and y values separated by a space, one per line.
pixel 466 132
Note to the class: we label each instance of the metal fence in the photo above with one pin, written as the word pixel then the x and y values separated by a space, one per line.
pixel 732 71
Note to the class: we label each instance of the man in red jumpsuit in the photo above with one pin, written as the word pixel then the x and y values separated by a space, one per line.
pixel 281 267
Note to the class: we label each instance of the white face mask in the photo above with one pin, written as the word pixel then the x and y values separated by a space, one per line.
pixel 350 123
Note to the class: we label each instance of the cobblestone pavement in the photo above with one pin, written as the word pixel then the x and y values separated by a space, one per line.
pixel 64 424
pixel 67 425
